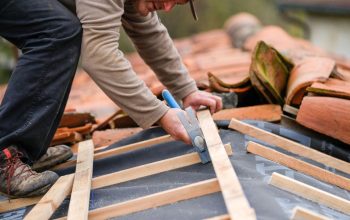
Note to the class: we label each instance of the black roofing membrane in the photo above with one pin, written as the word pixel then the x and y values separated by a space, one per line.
pixel 253 172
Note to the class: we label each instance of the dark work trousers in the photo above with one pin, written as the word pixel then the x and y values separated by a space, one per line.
pixel 50 38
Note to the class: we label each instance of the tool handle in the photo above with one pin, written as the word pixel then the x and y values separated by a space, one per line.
pixel 170 99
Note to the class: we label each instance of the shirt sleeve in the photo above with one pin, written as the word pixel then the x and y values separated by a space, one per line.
pixel 106 64
pixel 157 49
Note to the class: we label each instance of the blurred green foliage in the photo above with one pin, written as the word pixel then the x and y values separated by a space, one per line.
pixel 180 23
pixel 6 60
pixel 212 15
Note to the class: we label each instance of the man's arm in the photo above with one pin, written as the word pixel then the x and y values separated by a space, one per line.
pixel 106 64
pixel 155 46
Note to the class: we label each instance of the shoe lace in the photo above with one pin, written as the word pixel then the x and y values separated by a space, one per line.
pixel 12 164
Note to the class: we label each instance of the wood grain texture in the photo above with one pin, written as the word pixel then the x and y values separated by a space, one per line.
pixel 80 198
pixel 311 193
pixel 120 150
pixel 299 165
pixel 52 199
pixel 220 217
pixel 300 213
pixel 332 119
pixel 235 200
pixel 149 169
pixel 123 176
pixel 290 146
pixel 267 112
pixel 13 204
pixel 155 200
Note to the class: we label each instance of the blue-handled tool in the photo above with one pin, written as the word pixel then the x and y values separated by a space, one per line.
pixel 170 99
pixel 191 125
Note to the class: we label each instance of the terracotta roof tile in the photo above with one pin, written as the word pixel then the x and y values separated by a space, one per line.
pixel 107 137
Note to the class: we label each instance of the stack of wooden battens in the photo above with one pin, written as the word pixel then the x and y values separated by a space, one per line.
pixel 78 185
pixel 296 187
pixel 226 182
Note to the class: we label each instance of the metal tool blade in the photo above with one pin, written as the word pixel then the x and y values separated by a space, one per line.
pixel 193 129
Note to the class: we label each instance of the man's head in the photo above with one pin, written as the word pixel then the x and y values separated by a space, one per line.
pixel 146 6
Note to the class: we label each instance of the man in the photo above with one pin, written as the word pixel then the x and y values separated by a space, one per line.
pixel 101 21
pixel 106 65
pixel 50 37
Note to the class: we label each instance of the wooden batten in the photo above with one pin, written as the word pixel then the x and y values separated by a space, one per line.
pixel 236 203
pixel 120 150
pixel 80 197
pixel 155 200
pixel 123 176
pixel 290 146
pixel 220 217
pixel 311 193
pixel 52 199
pixel 300 213
pixel 299 165
pixel 149 169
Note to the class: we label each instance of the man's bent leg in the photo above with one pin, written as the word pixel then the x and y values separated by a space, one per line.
pixel 49 37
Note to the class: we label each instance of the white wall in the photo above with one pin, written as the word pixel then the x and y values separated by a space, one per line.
pixel 331 33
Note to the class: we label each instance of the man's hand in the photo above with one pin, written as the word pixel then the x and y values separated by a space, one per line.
pixel 172 124
pixel 198 98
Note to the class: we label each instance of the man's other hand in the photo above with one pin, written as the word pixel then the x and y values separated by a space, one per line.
pixel 199 98
pixel 172 124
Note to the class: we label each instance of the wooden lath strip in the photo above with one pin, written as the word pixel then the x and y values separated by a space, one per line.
pixel 122 176
pixel 52 199
pixel 155 200
pixel 300 213
pixel 149 169
pixel 290 146
pixel 13 204
pixel 299 165
pixel 236 203
pixel 311 193
pixel 80 198
pixel 120 150
pixel 220 217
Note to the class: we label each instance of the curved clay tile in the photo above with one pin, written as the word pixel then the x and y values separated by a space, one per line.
pixel 326 115
pixel 332 88
pixel 311 69
pixel 269 112
pixel 269 72
pixel 230 80
pixel 240 27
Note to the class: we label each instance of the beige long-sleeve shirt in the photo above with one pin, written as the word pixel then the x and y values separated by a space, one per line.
pixel 107 66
